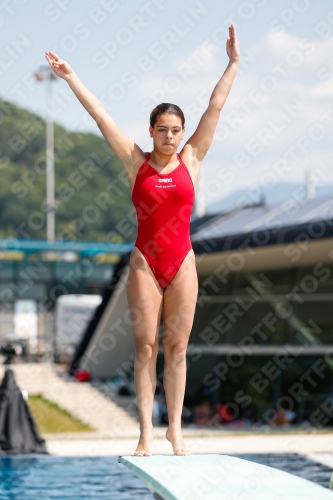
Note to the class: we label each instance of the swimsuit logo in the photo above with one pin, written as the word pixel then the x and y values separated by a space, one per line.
pixel 165 180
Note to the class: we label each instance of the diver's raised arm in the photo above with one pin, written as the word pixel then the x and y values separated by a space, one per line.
pixel 199 143
pixel 121 145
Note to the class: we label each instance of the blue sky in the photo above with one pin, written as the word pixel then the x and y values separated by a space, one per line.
pixel 277 121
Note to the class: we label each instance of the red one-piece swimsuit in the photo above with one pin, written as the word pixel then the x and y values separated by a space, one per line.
pixel 163 204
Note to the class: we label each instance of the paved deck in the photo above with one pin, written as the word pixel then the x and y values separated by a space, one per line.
pixel 197 441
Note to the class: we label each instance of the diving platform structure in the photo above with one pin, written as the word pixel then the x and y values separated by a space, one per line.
pixel 219 477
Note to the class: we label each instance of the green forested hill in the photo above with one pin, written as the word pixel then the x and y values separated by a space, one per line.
pixel 92 193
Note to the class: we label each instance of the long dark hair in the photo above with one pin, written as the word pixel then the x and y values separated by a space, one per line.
pixel 166 107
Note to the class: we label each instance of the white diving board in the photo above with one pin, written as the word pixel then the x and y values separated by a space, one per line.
pixel 219 477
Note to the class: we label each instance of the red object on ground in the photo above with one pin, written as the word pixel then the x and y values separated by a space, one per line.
pixel 82 375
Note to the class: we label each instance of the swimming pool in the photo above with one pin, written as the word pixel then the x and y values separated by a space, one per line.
pixel 44 477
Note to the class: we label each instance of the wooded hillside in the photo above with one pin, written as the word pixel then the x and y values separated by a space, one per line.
pixel 92 193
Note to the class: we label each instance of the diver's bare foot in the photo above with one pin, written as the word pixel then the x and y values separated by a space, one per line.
pixel 144 446
pixel 176 439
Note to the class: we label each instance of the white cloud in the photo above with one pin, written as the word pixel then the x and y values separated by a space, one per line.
pixel 322 90
pixel 187 76
pixel 294 52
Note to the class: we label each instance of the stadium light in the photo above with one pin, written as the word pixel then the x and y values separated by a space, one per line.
pixel 46 73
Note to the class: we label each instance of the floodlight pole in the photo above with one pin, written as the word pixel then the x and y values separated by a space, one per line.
pixel 50 209
pixel 46 73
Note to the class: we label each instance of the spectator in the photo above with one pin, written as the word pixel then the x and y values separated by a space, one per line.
pixel 202 413
pixel 282 418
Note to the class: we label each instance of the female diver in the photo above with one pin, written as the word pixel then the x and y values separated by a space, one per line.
pixel 162 271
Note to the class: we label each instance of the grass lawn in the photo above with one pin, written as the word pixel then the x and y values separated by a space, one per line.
pixel 52 418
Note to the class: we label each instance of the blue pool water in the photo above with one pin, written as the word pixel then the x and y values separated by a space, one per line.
pixel 44 477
